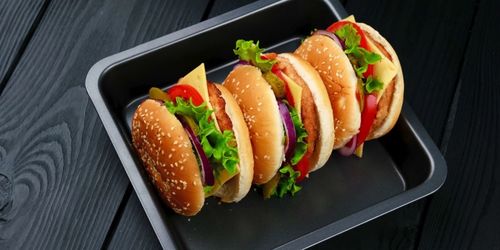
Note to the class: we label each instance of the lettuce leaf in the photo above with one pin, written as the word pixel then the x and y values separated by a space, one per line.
pixel 288 176
pixel 250 52
pixel 373 84
pixel 218 146
pixel 287 181
pixel 359 57
pixel 300 145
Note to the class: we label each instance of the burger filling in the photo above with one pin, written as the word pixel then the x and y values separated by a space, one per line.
pixel 375 72
pixel 296 114
pixel 217 152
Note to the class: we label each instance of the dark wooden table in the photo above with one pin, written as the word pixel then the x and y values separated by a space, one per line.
pixel 63 187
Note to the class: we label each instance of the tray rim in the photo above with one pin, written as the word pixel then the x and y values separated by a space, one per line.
pixel 435 180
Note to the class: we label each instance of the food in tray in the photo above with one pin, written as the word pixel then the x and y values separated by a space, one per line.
pixel 275 118
pixel 280 97
pixel 194 143
pixel 363 77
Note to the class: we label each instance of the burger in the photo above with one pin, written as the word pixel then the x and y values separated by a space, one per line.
pixel 194 143
pixel 286 107
pixel 363 78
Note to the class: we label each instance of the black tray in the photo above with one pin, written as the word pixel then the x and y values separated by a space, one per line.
pixel 398 169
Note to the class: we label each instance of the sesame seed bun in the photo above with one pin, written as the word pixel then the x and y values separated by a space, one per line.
pixel 237 187
pixel 167 154
pixel 391 102
pixel 340 81
pixel 260 111
pixel 315 95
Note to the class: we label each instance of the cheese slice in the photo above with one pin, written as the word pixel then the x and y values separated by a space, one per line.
pixel 197 78
pixel 296 92
pixel 350 19
pixel 384 70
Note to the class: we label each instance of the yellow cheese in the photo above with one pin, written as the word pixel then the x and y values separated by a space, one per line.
pixel 350 19
pixel 197 78
pixel 384 70
pixel 296 92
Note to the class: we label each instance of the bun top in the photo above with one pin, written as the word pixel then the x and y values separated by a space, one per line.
pixel 340 81
pixel 166 152
pixel 260 111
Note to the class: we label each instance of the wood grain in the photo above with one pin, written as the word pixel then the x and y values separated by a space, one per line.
pixel 465 214
pixel 17 21
pixel 134 230
pixel 223 6
pixel 66 180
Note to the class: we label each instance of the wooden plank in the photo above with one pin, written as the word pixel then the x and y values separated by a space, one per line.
pixel 60 176
pixel 18 19
pixel 430 42
pixel 223 6
pixel 134 230
pixel 465 214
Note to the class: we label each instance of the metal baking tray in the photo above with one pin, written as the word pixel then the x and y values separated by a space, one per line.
pixel 400 168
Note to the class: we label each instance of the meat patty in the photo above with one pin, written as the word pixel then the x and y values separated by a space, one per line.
pixel 309 113
pixel 219 106
pixel 385 100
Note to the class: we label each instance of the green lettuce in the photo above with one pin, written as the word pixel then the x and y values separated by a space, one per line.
pixel 359 57
pixel 288 176
pixel 219 147
pixel 301 134
pixel 372 85
pixel 287 181
pixel 250 52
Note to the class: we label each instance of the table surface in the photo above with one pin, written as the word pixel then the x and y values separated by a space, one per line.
pixel 62 185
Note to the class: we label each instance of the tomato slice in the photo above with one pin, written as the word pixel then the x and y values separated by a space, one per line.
pixel 288 94
pixel 186 92
pixel 335 26
pixel 369 71
pixel 302 167
pixel 269 56
pixel 367 117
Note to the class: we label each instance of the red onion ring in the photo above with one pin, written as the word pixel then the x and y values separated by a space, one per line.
pixel 291 136
pixel 207 174
pixel 331 35
pixel 349 148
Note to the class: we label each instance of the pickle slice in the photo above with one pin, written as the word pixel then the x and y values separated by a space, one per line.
pixel 277 85
pixel 158 94
pixel 191 123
